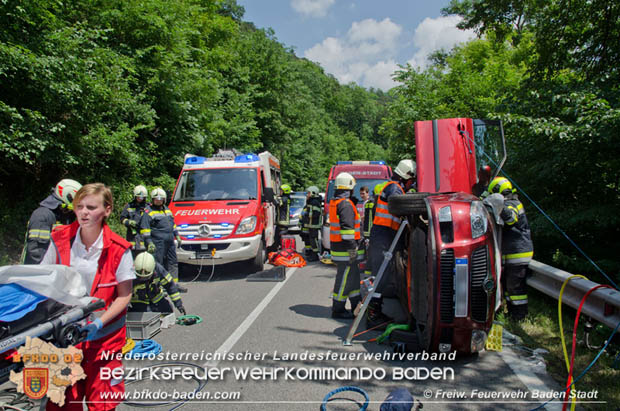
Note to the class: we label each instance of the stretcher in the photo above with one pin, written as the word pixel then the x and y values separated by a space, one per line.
pixel 25 312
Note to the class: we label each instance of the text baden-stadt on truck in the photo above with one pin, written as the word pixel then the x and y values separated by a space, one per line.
pixel 224 209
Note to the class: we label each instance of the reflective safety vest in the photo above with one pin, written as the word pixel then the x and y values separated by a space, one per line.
pixel 338 236
pixel 382 215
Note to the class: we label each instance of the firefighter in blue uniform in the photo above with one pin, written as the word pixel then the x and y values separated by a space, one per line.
pixel 517 248
pixel 311 223
pixel 148 289
pixel 55 210
pixel 130 218
pixel 159 231
pixel 382 233
pixel 345 234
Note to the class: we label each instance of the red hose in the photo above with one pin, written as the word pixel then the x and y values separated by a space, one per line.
pixel 572 356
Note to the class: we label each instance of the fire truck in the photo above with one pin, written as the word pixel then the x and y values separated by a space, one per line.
pixel 224 208
pixel 448 276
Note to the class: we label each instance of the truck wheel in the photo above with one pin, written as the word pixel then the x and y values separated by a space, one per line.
pixel 407 204
pixel 258 262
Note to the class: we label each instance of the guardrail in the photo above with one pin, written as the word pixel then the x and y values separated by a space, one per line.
pixel 603 304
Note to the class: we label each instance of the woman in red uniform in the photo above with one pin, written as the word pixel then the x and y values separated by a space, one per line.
pixel 103 258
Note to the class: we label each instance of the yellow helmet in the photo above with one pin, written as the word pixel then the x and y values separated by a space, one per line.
pixel 286 189
pixel 500 185
pixel 144 265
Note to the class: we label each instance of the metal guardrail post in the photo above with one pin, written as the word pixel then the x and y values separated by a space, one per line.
pixel 603 305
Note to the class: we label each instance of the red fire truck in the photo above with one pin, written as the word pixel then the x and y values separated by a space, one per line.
pixel 224 209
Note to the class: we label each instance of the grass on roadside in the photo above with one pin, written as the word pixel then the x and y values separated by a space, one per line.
pixel 541 330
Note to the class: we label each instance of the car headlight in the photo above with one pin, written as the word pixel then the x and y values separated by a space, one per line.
pixel 478 219
pixel 247 225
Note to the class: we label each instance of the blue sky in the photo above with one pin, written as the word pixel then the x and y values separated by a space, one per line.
pixel 359 41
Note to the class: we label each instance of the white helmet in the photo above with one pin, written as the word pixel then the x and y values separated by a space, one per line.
pixel 140 191
pixel 158 194
pixel 313 190
pixel 144 265
pixel 406 169
pixel 65 190
pixel 345 181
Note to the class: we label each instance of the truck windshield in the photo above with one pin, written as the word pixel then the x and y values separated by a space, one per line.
pixel 217 184
pixel 370 183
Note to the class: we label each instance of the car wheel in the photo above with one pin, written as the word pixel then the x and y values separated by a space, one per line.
pixel 258 262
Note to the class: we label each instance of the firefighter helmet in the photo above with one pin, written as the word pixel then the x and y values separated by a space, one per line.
pixel 379 187
pixel 286 189
pixel 345 181
pixel 144 265
pixel 158 194
pixel 405 169
pixel 500 185
pixel 140 191
pixel 65 190
pixel 314 191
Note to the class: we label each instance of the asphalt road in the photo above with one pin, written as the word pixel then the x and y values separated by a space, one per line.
pixel 268 320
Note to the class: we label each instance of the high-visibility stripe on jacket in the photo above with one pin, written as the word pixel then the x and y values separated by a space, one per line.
pixel 313 213
pixel 517 246
pixel 382 215
pixel 151 290
pixel 369 214
pixel 345 229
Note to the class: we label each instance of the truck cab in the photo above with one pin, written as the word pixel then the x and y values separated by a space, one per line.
pixel 223 207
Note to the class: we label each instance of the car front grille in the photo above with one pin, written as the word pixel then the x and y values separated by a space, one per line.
pixel 446 284
pixel 479 272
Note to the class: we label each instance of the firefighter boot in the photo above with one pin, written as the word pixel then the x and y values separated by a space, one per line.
pixel 374 316
pixel 338 311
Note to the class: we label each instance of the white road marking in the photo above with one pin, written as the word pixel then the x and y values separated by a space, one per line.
pixel 245 325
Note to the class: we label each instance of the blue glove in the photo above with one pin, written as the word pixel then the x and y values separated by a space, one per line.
pixel 91 329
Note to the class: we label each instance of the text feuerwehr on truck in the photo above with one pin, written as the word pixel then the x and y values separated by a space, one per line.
pixel 224 209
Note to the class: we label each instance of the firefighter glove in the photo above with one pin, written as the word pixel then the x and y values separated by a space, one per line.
pixel 151 248
pixel 178 241
pixel 352 255
pixel 133 224
pixel 91 329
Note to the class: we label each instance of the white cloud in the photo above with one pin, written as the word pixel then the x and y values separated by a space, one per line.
pixel 436 34
pixel 313 8
pixel 364 55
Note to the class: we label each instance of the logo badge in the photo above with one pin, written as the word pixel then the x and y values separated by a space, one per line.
pixel 36 382
pixel 204 230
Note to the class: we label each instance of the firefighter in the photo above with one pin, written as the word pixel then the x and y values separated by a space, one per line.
pixel 148 293
pixel 382 233
pixel 311 223
pixel 369 213
pixel 159 232
pixel 284 213
pixel 345 236
pixel 130 217
pixel 517 248
pixel 55 210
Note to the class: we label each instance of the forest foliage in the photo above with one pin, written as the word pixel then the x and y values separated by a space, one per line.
pixel 119 92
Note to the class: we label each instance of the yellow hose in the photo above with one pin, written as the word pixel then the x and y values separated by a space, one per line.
pixel 129 345
pixel 573 401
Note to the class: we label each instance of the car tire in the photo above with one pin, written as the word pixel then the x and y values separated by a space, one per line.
pixel 408 204
pixel 423 298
